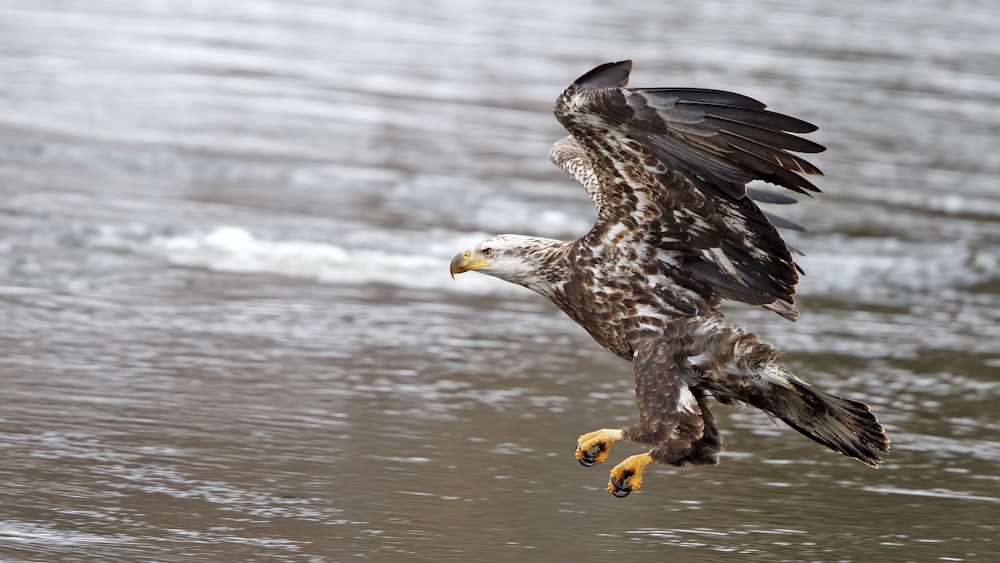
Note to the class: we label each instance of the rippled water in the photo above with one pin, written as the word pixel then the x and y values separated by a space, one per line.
pixel 228 330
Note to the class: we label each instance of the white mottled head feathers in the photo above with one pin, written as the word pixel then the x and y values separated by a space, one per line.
pixel 531 262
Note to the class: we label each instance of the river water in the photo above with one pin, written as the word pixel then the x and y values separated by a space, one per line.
pixel 227 329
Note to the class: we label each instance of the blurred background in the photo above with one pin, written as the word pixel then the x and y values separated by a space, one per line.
pixel 227 330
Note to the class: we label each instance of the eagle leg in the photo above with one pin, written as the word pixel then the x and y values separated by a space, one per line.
pixel 627 475
pixel 593 447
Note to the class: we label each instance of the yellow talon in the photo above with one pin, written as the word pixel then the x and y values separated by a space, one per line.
pixel 627 475
pixel 602 440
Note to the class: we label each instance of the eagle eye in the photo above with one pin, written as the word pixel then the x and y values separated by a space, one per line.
pixel 488 252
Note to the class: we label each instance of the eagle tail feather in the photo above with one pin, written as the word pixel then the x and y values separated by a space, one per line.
pixel 843 425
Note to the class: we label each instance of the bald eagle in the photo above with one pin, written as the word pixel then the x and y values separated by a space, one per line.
pixel 677 232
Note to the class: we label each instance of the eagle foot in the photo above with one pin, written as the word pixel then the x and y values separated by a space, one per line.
pixel 627 475
pixel 593 447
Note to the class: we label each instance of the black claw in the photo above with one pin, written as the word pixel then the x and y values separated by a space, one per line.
pixel 588 459
pixel 621 489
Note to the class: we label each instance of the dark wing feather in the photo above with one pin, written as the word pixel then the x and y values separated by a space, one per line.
pixel 730 137
pixel 767 196
pixel 667 169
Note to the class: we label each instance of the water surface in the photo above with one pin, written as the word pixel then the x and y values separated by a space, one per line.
pixel 227 329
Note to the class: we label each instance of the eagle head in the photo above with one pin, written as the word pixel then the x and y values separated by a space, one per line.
pixel 525 261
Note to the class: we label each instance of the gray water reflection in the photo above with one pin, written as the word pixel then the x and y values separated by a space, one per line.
pixel 227 331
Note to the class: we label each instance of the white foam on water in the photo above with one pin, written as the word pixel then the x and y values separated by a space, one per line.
pixel 889 269
pixel 235 249
pixel 18 532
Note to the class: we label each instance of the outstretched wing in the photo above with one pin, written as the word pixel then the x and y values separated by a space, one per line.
pixel 667 169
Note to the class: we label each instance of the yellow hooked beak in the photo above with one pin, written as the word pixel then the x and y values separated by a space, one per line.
pixel 468 260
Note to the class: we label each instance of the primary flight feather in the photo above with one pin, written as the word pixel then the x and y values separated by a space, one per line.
pixel 678 231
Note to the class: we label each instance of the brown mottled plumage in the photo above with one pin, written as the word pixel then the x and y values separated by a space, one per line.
pixel 678 231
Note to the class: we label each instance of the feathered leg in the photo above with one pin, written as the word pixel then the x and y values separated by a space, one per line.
pixel 673 419
pixel 704 450
pixel 627 475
